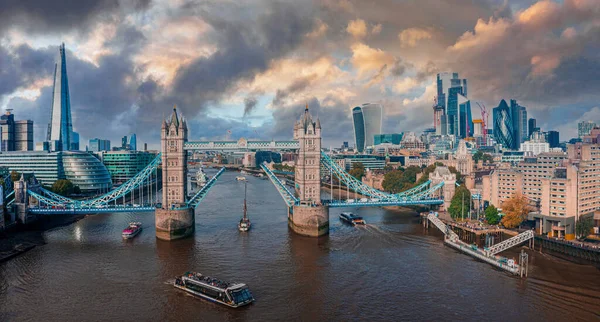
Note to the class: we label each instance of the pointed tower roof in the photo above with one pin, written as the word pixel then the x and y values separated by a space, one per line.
pixel 306 119
pixel 174 117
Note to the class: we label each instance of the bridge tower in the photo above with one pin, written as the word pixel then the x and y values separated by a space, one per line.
pixel 310 217
pixel 175 219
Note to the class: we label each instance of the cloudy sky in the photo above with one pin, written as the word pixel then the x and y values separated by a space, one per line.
pixel 250 66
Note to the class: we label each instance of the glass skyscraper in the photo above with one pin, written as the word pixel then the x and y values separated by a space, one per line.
pixel 584 128
pixel 367 120
pixel 359 128
pixel 132 142
pixel 503 126
pixel 60 128
pixel 452 98
pixel 97 145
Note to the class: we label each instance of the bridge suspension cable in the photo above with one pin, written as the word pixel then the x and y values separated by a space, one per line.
pixel 289 198
pixel 197 198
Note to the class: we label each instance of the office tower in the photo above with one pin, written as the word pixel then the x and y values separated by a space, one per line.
pixel 133 142
pixel 439 121
pixel 359 129
pixel 98 145
pixel 7 126
pixel 145 146
pixel 552 137
pixel 451 93
pixel 503 126
pixel 584 128
pixel 124 143
pixel 74 141
pixel 60 128
pixel 519 122
pixel 465 125
pixel 367 120
pixel 393 138
pixel 24 135
pixel 531 126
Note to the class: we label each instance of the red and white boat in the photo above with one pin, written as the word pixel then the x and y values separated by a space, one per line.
pixel 132 230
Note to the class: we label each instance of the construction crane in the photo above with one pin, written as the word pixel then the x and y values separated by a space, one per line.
pixel 484 118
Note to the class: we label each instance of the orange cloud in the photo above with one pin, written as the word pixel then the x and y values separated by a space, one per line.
pixel 365 58
pixel 357 28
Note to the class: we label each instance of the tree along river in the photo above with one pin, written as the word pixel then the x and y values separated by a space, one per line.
pixel 391 269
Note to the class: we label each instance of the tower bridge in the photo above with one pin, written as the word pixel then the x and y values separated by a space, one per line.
pixel 307 213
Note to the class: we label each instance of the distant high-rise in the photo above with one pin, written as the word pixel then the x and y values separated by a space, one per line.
pixel 7 128
pixel 367 120
pixel 358 121
pixel 584 128
pixel 60 128
pixel 531 126
pixel 132 142
pixel 24 135
pixel 124 143
pixel 552 137
pixel 503 126
pixel 98 145
pixel 519 121
pixel 452 98
pixel 15 135
pixel 74 141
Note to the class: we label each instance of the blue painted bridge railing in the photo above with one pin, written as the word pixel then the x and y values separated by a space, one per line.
pixel 66 211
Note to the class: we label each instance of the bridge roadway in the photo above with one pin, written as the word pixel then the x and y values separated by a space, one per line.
pixel 240 145
pixel 65 211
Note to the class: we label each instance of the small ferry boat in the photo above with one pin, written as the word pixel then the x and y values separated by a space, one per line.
pixel 132 230
pixel 244 224
pixel 230 294
pixel 352 219
pixel 240 178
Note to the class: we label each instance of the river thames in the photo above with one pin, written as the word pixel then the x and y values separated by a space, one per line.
pixel 391 269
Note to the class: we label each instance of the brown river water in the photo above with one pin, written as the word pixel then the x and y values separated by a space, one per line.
pixel 392 269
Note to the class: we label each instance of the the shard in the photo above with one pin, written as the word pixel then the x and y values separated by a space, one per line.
pixel 60 129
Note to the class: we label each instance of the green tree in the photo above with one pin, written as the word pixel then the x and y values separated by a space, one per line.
pixel 62 187
pixel 491 215
pixel 488 158
pixel 584 226
pixel 15 176
pixel 392 181
pixel 357 171
pixel 410 174
pixel 76 190
pixel 459 206
pixel 477 156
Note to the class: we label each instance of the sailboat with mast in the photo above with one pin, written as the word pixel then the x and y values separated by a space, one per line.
pixel 244 224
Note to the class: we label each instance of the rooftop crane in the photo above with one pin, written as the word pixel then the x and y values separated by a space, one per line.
pixel 484 118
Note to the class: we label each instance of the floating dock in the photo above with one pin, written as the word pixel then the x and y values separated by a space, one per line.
pixel 501 262
pixel 487 255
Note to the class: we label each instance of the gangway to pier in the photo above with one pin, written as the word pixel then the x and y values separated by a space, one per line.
pixel 448 232
pixel 511 242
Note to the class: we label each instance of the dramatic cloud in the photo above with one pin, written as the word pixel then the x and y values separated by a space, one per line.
pixel 249 67
pixel 409 37
pixel 357 28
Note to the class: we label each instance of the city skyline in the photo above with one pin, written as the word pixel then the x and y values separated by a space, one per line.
pixel 129 62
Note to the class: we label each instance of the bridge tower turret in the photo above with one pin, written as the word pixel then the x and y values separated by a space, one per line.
pixel 175 219
pixel 310 217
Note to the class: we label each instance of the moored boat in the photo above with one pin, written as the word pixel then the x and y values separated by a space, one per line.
pixel 244 224
pixel 132 230
pixel 230 294
pixel 352 218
